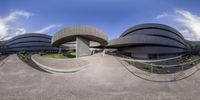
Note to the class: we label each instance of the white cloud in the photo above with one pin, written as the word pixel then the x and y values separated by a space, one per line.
pixel 14 32
pixel 3 29
pixel 20 31
pixel 14 15
pixel 7 30
pixel 162 15
pixel 189 23
pixel 47 28
pixel 187 34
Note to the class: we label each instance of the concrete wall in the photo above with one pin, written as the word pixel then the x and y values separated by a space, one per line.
pixel 82 47
pixel 69 34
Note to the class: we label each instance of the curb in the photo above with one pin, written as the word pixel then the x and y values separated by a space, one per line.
pixel 54 70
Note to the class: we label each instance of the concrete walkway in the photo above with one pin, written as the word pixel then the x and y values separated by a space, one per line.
pixel 104 79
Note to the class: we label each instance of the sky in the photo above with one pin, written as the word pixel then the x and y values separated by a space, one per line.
pixel 112 16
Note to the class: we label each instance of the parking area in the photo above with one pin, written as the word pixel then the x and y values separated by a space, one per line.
pixel 105 78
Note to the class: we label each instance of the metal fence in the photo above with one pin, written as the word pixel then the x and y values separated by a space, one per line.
pixel 155 67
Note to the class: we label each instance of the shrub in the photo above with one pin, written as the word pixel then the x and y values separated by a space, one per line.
pixel 178 61
pixel 188 58
pixel 24 56
pixel 69 54
pixel 131 62
pixel 149 67
pixel 158 71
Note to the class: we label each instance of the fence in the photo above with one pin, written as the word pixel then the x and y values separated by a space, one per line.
pixel 160 73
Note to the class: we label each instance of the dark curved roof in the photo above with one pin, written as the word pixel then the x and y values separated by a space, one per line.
pixel 151 26
pixel 30 35
pixel 30 42
pixel 150 34
pixel 70 33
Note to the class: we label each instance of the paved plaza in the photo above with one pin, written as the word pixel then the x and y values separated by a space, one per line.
pixel 105 78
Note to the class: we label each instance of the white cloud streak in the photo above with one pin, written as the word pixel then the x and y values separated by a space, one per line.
pixel 162 15
pixel 189 23
pixel 47 28
pixel 7 30
pixel 14 15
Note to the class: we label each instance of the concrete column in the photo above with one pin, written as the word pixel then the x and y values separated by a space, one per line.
pixel 60 50
pixel 103 53
pixel 82 47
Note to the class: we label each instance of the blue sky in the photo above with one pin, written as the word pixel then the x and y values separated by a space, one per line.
pixel 112 16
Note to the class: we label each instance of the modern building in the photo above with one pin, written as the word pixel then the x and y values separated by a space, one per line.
pixel 3 47
pixel 150 41
pixel 144 41
pixel 83 35
pixel 30 42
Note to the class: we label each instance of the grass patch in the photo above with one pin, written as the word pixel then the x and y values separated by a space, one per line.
pixel 68 54
pixel 54 55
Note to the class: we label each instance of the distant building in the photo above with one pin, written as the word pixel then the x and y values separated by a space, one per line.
pixel 3 47
pixel 30 42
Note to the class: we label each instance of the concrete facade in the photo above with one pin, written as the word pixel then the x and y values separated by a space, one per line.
pixel 82 47
pixel 82 35
pixel 70 33
pixel 150 41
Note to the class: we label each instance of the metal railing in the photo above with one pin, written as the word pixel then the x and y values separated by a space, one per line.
pixel 160 73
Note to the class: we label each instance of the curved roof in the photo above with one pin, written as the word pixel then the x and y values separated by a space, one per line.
pixel 150 35
pixel 145 40
pixel 30 42
pixel 70 33
pixel 151 26
pixel 30 35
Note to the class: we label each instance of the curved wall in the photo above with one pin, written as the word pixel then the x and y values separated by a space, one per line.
pixel 150 40
pixel 87 32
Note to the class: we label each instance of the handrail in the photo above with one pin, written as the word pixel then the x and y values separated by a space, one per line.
pixel 182 74
pixel 166 66
pixel 163 65
pixel 124 56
